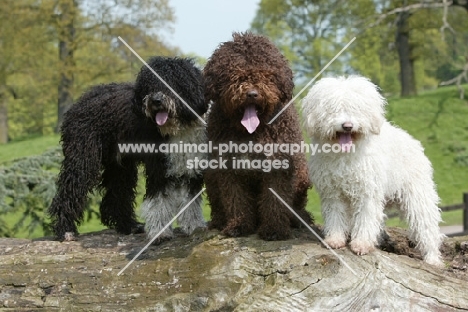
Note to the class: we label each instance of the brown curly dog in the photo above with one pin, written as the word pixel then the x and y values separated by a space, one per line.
pixel 249 81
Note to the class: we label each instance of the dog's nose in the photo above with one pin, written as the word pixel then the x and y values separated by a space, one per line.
pixel 158 97
pixel 347 126
pixel 252 94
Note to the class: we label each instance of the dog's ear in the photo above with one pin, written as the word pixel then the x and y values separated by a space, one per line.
pixel 378 116
pixel 309 125
pixel 376 123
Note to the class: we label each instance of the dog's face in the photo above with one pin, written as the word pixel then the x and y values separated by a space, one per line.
pixel 249 79
pixel 165 107
pixel 341 110
pixel 161 109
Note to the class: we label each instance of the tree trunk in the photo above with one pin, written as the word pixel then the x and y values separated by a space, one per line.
pixel 66 32
pixel 3 109
pixel 209 272
pixel 407 79
pixel 3 117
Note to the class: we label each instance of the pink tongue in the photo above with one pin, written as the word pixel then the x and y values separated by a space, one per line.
pixel 346 141
pixel 250 120
pixel 161 118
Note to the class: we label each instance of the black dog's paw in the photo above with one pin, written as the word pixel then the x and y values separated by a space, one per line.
pixel 138 228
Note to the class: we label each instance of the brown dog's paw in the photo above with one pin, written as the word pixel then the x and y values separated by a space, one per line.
pixel 239 227
pixel 271 234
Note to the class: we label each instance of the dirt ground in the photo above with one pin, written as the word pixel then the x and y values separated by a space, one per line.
pixel 454 250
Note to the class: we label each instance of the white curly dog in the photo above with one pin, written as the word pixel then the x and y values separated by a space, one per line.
pixel 370 164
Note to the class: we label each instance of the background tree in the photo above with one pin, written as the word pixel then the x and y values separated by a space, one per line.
pixel 309 33
pixel 18 41
pixel 79 22
pixel 65 25
pixel 51 51
pixel 399 43
pixel 423 47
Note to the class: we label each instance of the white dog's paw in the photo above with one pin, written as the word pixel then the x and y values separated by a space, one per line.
pixel 191 227
pixel 336 241
pixel 166 235
pixel 434 260
pixel 69 236
pixel 361 247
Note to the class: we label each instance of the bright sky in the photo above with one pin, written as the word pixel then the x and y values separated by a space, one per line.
pixel 202 25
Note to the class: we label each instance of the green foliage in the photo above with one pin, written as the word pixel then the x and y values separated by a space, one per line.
pixel 27 185
pixel 34 145
pixel 436 118
pixel 309 33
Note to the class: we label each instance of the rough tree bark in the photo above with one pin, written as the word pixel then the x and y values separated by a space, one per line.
pixel 3 115
pixel 406 60
pixel 209 272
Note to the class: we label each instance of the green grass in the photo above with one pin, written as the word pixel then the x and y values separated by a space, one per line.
pixel 27 147
pixel 436 118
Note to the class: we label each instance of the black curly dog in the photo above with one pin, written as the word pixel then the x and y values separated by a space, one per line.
pixel 143 112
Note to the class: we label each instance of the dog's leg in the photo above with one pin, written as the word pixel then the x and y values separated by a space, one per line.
pixel 423 217
pixel 275 218
pixel 336 223
pixel 218 215
pixel 117 210
pixel 78 176
pixel 300 202
pixel 157 211
pixel 160 199
pixel 238 198
pixel 367 222
pixel 192 217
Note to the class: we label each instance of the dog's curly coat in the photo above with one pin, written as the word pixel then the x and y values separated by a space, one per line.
pixel 144 112
pixel 249 81
pixel 382 166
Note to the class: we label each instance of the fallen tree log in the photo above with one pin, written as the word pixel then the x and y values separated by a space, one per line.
pixel 209 272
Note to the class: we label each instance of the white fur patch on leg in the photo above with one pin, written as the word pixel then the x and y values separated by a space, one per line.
pixel 157 212
pixel 192 217
pixel 367 221
pixel 336 227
